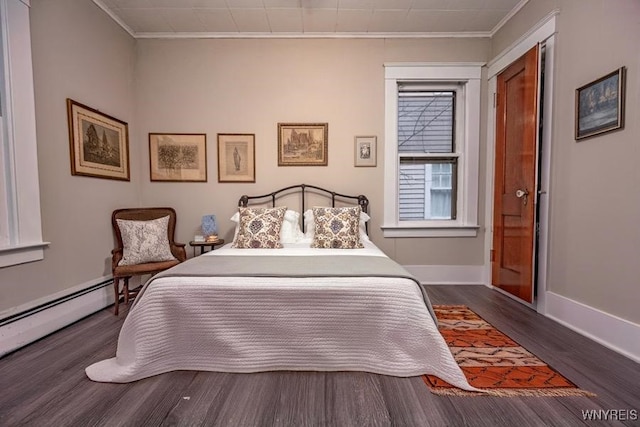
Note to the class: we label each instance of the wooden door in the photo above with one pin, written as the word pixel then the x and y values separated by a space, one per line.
pixel 515 177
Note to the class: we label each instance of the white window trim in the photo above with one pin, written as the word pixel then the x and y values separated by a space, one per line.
pixel 20 206
pixel 466 223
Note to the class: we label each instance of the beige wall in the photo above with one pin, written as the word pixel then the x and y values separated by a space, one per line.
pixel 248 86
pixel 594 232
pixel 80 53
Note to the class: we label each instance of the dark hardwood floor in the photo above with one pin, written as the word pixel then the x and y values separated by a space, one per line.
pixel 44 384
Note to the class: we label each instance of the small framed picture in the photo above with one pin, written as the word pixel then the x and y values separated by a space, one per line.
pixel 99 143
pixel 365 151
pixel 178 157
pixel 303 144
pixel 600 105
pixel 236 157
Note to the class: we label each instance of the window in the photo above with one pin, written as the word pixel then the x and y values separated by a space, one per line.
pixel 432 135
pixel 20 223
pixel 426 132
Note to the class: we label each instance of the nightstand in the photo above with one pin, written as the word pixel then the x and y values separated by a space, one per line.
pixel 202 245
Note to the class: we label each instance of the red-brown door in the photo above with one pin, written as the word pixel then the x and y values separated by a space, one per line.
pixel 515 177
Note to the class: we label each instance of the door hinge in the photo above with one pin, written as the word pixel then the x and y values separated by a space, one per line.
pixel 492 255
pixel 495 100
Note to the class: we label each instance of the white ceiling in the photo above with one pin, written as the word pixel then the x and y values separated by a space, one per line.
pixel 310 18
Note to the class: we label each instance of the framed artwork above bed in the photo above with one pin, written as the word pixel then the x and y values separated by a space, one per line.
pixel 303 144
pixel 178 157
pixel 365 151
pixel 236 157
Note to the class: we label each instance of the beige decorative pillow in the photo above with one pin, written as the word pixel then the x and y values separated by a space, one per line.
pixel 336 228
pixel 290 231
pixel 310 226
pixel 145 241
pixel 259 228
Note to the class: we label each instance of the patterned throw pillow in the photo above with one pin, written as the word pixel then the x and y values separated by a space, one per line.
pixel 310 225
pixel 336 228
pixel 290 231
pixel 259 228
pixel 145 241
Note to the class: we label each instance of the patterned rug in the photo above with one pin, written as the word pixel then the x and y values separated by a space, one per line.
pixel 492 361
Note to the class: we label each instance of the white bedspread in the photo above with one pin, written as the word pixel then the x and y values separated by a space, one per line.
pixel 235 324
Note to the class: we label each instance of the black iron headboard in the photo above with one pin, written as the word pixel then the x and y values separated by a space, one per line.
pixel 362 201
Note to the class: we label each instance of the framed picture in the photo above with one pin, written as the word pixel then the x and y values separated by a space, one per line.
pixel 178 157
pixel 99 143
pixel 236 157
pixel 365 151
pixel 302 144
pixel 600 105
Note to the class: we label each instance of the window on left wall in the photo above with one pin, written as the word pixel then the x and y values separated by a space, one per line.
pixel 20 221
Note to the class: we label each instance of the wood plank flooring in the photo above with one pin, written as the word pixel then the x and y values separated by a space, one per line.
pixel 44 384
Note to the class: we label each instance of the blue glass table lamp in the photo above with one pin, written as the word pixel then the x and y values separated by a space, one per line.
pixel 210 227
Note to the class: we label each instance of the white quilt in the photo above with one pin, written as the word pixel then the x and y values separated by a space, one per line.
pixel 236 324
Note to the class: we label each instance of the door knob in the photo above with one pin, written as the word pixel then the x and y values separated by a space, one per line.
pixel 523 194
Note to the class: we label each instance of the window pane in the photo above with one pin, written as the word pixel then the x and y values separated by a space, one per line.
pixel 425 122
pixel 426 191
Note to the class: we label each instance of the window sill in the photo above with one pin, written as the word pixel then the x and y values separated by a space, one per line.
pixel 21 254
pixel 432 231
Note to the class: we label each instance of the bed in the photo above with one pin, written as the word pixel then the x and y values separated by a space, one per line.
pixel 291 308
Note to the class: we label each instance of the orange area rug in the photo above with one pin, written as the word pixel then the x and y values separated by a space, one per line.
pixel 492 361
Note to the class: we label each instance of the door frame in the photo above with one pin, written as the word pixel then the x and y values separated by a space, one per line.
pixel 543 33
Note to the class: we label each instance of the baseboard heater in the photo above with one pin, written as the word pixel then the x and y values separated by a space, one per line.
pixel 29 325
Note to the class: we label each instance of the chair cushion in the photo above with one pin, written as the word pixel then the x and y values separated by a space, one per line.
pixel 145 241
pixel 153 267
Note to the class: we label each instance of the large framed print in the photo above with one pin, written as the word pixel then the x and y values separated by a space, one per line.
pixel 178 157
pixel 600 105
pixel 302 144
pixel 98 143
pixel 236 157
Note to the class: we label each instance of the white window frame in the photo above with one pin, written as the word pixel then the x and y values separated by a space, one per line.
pixel 467 148
pixel 20 224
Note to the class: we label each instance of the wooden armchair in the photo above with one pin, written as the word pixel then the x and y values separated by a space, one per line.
pixel 152 264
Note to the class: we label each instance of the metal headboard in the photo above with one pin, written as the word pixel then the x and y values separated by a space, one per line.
pixel 362 201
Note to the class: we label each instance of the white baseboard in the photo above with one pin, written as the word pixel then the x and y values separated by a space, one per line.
pixel 620 335
pixel 448 274
pixel 54 313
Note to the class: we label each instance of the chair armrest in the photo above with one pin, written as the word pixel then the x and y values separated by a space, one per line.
pixel 178 251
pixel 116 256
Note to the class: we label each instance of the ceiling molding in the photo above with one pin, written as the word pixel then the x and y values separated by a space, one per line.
pixel 310 35
pixel 507 17
pixel 115 17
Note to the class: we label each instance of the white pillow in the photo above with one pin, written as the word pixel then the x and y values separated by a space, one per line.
pixel 145 241
pixel 310 225
pixel 290 231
